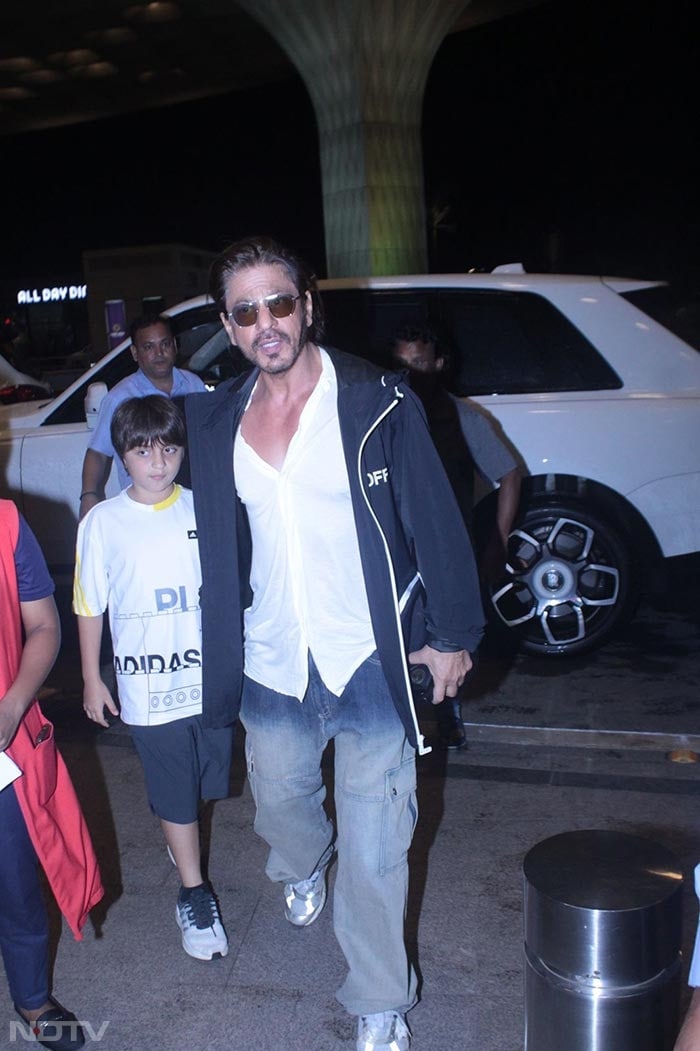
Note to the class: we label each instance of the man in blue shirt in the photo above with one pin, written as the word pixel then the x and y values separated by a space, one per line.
pixel 154 349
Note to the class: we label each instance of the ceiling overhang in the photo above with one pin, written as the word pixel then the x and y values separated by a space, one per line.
pixel 78 60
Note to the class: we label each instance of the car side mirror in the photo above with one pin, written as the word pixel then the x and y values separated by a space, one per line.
pixel 93 400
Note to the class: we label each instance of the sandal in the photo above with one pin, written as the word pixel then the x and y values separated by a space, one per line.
pixel 56 1028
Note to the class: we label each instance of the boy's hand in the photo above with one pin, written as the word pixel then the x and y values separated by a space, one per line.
pixel 95 699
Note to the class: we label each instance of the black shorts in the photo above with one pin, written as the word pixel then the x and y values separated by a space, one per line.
pixel 183 763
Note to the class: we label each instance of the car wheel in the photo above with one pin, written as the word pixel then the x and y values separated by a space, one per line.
pixel 567 582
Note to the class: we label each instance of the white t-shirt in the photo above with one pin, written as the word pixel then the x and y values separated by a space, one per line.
pixel 141 562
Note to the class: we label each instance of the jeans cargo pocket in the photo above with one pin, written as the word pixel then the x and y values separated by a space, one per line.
pixel 399 816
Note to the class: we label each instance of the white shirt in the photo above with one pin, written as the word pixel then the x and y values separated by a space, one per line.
pixel 306 575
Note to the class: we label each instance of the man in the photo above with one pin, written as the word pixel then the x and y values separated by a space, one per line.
pixel 315 484
pixel 40 817
pixel 466 441
pixel 154 349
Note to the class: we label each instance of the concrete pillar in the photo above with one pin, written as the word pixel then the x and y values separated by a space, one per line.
pixel 365 64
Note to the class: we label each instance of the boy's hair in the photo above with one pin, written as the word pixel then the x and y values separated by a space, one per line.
pixel 153 420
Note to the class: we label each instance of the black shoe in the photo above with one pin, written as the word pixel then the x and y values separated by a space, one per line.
pixel 455 740
pixel 56 1028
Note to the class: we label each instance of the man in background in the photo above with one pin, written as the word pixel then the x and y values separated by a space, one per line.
pixel 154 350
pixel 466 441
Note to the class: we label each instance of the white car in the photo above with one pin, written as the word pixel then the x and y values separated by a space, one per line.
pixel 42 444
pixel 19 386
pixel 595 383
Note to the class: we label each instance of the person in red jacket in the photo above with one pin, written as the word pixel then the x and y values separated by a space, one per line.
pixel 36 795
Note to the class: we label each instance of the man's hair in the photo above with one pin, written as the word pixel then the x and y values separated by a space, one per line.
pixel 153 420
pixel 417 333
pixel 146 321
pixel 265 251
pixel 426 332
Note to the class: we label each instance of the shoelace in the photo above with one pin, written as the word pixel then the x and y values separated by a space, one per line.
pixel 201 910
pixel 307 886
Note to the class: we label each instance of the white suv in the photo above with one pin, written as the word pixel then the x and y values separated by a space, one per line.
pixel 594 382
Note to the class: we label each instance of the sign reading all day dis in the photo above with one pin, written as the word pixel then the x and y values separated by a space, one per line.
pixel 51 295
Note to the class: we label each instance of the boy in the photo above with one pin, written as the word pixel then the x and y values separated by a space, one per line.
pixel 137 555
pixel 40 817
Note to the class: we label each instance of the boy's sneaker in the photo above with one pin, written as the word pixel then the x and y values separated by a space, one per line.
pixel 386 1031
pixel 304 901
pixel 197 915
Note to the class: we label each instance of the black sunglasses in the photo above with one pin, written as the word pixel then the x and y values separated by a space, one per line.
pixel 280 305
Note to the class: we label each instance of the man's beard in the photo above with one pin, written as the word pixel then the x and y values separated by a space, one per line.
pixel 278 367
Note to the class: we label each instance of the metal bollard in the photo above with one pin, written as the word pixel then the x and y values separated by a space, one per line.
pixel 603 919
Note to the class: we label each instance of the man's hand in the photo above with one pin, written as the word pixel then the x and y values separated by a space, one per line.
pixel 96 698
pixel 449 670
pixel 96 468
pixel 87 502
pixel 10 718
pixel 42 638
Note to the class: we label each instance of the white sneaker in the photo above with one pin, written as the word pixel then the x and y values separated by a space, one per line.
pixel 304 901
pixel 386 1031
pixel 203 935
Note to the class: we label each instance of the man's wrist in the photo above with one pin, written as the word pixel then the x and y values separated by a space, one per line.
pixel 443 646
pixel 89 492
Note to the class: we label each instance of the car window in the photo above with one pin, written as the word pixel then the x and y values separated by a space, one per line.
pixel 202 346
pixel 500 342
pixel 518 343
pixel 363 321
pixel 72 410
pixel 674 307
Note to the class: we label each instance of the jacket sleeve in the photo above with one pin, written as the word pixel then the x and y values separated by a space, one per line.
pixel 435 529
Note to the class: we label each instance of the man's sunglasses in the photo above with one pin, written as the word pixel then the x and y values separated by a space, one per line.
pixel 280 305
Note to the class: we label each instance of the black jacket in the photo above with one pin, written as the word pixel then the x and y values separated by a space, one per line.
pixel 418 565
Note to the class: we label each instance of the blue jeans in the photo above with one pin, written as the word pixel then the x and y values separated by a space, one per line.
pixel 24 928
pixel 375 798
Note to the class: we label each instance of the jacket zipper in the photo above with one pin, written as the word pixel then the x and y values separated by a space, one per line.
pixel 423 749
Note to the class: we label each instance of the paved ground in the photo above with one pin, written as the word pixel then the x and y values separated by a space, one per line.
pixel 583 744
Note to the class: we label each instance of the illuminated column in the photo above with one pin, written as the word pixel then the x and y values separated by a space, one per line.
pixel 365 64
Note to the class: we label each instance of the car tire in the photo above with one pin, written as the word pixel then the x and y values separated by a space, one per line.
pixel 568 582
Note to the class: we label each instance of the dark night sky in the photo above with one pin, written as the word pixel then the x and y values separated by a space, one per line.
pixel 563 137
pixel 580 120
